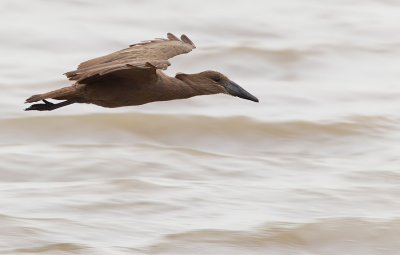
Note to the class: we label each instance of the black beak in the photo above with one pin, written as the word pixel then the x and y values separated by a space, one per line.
pixel 237 91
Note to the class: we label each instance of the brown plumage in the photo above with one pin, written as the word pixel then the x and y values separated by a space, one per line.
pixel 133 76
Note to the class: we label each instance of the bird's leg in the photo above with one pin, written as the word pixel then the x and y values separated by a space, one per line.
pixel 47 106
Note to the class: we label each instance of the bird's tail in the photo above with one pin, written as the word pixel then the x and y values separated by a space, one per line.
pixel 65 93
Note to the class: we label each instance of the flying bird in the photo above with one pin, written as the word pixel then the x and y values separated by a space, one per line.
pixel 134 76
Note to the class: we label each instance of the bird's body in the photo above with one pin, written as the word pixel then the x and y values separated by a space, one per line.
pixel 133 76
pixel 140 91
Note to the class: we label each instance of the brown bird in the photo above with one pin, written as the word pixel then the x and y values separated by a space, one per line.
pixel 133 76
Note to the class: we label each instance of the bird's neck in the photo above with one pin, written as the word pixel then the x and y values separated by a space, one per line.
pixel 173 88
pixel 189 89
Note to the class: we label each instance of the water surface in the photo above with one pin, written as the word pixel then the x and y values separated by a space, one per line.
pixel 312 169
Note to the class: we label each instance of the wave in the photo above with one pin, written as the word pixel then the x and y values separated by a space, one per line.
pixel 329 235
pixel 278 55
pixel 293 53
pixel 111 128
pixel 54 247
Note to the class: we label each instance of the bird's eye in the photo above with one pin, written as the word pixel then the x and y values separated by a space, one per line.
pixel 216 79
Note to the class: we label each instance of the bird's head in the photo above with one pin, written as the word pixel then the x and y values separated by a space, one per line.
pixel 212 82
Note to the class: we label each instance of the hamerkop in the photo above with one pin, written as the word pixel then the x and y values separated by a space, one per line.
pixel 133 76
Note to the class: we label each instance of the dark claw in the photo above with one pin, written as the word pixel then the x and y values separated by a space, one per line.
pixel 47 106
pixel 47 102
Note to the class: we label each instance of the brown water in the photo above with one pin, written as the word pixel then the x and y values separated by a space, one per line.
pixel 314 168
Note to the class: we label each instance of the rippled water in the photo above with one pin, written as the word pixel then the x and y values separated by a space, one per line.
pixel 314 168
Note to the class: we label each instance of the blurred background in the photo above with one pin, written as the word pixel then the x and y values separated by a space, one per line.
pixel 313 168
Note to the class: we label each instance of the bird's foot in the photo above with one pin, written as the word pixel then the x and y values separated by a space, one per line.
pixel 47 106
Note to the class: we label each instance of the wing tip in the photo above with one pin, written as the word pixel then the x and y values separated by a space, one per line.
pixel 186 39
pixel 70 75
pixel 172 37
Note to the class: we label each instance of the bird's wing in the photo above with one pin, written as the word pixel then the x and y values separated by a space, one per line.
pixel 146 56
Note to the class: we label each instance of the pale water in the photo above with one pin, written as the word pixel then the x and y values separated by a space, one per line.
pixel 314 168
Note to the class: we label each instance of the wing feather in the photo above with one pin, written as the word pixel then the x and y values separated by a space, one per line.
pixel 147 56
